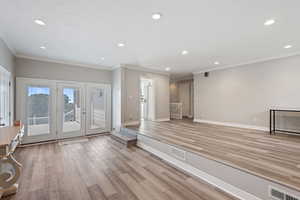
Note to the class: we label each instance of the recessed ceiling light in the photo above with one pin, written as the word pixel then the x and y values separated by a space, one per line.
pixel 156 16
pixel 121 44
pixel 269 22
pixel 216 62
pixel 184 52
pixel 168 69
pixel 102 58
pixel 40 22
pixel 288 46
pixel 43 47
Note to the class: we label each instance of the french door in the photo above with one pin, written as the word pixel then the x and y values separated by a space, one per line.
pixel 35 107
pixel 70 110
pixel 57 110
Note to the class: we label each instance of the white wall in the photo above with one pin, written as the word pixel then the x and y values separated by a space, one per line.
pixel 7 59
pixel 174 96
pixel 28 68
pixel 182 91
pixel 243 95
pixel 132 94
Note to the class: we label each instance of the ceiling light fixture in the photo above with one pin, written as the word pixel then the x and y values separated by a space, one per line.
pixel 40 22
pixel 184 52
pixel 102 58
pixel 168 68
pixel 121 45
pixel 269 22
pixel 43 47
pixel 156 16
pixel 216 62
pixel 288 46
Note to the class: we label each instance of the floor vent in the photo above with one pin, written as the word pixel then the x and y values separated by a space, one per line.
pixel 289 197
pixel 180 154
pixel 281 195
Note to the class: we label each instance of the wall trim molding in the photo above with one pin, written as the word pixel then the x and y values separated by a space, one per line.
pixel 130 123
pixel 162 119
pixel 230 189
pixel 144 69
pixel 70 63
pixel 237 125
pixel 208 69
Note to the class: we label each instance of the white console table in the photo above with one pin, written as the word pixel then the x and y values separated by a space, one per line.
pixel 10 169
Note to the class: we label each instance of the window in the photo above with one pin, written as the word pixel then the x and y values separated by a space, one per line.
pixel 4 97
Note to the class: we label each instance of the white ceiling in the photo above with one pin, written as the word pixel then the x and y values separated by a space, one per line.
pixel 80 31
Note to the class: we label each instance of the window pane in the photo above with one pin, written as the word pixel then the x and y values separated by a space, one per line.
pixel 38 110
pixel 72 110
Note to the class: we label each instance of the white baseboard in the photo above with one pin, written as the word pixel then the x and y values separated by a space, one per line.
pixel 230 189
pixel 131 123
pixel 162 119
pixel 260 128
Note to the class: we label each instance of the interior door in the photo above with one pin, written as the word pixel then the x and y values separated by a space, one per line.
pixel 98 108
pixel 70 110
pixel 36 109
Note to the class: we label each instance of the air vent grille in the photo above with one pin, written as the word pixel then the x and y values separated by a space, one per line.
pixel 281 195
pixel 276 194
pixel 289 197
pixel 180 154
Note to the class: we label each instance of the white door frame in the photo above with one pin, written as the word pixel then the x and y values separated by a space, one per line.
pixel 21 105
pixel 59 108
pixel 151 98
pixel 107 89
pixel 22 109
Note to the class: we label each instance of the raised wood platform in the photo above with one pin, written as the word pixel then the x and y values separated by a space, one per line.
pixel 275 158
pixel 102 169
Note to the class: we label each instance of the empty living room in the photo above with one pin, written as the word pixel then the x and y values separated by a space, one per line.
pixel 150 100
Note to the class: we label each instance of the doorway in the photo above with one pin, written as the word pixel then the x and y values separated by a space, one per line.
pixel 146 99
pixel 52 109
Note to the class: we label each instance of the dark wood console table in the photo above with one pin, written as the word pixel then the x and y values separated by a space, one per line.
pixel 273 120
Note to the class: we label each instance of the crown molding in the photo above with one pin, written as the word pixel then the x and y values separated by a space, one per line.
pixel 144 69
pixel 116 67
pixel 208 69
pixel 63 62
pixel 182 78
pixel 7 43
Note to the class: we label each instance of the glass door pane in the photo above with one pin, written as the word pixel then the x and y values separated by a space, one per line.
pixel 38 115
pixel 69 99
pixel 71 110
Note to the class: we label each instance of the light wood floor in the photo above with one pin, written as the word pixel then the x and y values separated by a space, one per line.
pixel 276 158
pixel 103 169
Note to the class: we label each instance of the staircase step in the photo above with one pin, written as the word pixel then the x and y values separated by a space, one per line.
pixel 127 140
